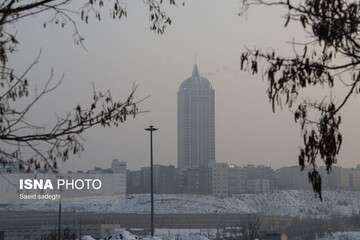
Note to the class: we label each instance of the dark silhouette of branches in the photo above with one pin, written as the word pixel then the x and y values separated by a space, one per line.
pixel 332 54
pixel 33 147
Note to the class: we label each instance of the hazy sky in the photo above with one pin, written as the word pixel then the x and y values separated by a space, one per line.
pixel 124 52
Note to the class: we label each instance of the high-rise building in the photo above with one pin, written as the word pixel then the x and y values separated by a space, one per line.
pixel 196 122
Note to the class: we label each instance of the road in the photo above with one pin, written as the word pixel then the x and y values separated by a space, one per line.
pixel 13 219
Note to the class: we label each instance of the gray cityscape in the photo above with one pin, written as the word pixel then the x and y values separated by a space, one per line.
pixel 197 176
pixel 179 120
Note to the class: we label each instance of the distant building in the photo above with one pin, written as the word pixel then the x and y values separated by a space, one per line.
pixel 196 122
pixel 259 179
pixel 237 180
pixel 355 179
pixel 344 178
pixel 337 179
pixel 248 179
pixel 118 167
pixel 134 182
pixel 291 178
pixel 220 179
pixel 164 180
pixel 189 181
pixel 195 181
pixel 258 185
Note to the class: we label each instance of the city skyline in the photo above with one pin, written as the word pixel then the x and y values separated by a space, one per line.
pixel 245 123
pixel 179 120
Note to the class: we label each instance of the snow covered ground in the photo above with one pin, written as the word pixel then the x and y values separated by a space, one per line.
pixel 342 236
pixel 280 203
pixel 125 235
pixel 122 235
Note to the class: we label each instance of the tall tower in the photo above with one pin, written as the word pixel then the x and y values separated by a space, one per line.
pixel 196 122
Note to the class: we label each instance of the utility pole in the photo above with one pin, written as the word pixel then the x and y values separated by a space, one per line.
pixel 59 216
pixel 151 129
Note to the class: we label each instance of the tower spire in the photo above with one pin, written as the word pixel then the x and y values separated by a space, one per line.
pixel 195 72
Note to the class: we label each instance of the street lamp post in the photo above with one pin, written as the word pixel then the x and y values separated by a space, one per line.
pixel 151 129
pixel 59 216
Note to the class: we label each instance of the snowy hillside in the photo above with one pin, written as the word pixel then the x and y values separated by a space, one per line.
pixel 122 235
pixel 342 236
pixel 119 234
pixel 283 203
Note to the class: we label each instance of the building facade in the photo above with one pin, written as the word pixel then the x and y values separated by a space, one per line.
pixel 164 180
pixel 237 180
pixel 196 122
pixel 220 180
pixel 195 181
